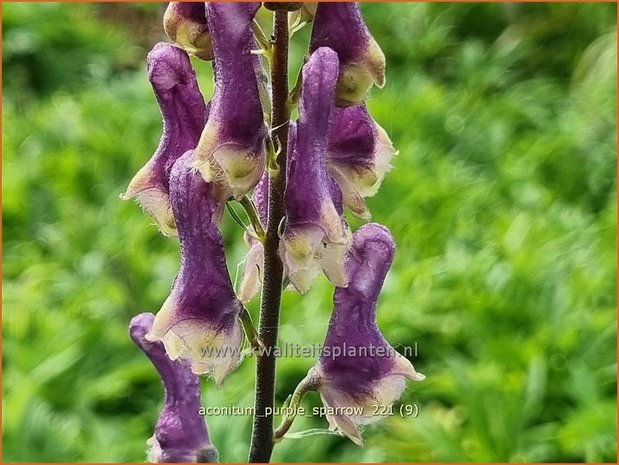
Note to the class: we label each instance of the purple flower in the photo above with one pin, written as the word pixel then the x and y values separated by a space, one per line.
pixel 180 434
pixel 358 156
pixel 231 151
pixel 199 320
pixel 340 26
pixel 185 23
pixel 315 235
pixel 358 368
pixel 184 114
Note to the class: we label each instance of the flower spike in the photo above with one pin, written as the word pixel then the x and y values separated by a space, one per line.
pixel 180 434
pixel 358 367
pixel 185 23
pixel 231 152
pixel 184 114
pixel 340 26
pixel 199 321
pixel 315 236
pixel 359 155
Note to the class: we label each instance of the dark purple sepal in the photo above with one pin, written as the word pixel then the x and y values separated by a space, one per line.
pixel 359 155
pixel 184 113
pixel 358 367
pixel 231 152
pixel 180 434
pixel 199 321
pixel 315 236
pixel 340 26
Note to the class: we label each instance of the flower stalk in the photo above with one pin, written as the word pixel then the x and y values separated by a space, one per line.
pixel 262 432
pixel 307 384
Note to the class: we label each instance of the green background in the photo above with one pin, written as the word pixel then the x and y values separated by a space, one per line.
pixel 502 203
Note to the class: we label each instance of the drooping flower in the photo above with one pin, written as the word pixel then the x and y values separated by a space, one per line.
pixel 185 23
pixel 180 434
pixel 358 368
pixel 199 320
pixel 315 235
pixel 184 114
pixel 358 156
pixel 231 152
pixel 340 26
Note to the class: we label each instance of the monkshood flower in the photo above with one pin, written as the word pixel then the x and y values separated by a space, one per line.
pixel 180 434
pixel 358 368
pixel 359 155
pixel 231 152
pixel 340 26
pixel 199 320
pixel 184 114
pixel 315 235
pixel 185 23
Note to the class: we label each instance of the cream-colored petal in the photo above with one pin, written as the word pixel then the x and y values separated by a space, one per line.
pixel 331 223
pixel 333 261
pixel 210 351
pixel 374 61
pixel 241 168
pixel 152 199
pixel 340 422
pixel 157 204
pixel 351 196
pixel 252 274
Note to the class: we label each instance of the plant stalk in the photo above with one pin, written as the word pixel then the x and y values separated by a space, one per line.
pixel 262 432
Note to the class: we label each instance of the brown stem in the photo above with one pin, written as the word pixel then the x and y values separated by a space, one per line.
pixel 262 432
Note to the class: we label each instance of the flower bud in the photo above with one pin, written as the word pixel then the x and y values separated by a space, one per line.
pixel 184 114
pixel 315 235
pixel 359 155
pixel 231 152
pixel 358 368
pixel 180 434
pixel 254 261
pixel 199 320
pixel 340 26
pixel 185 23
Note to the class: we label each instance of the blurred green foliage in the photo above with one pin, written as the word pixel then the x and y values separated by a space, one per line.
pixel 502 202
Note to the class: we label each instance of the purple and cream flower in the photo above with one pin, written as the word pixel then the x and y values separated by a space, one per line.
pixel 231 152
pixel 180 433
pixel 199 321
pixel 315 236
pixel 340 26
pixel 185 23
pixel 358 367
pixel 359 155
pixel 184 114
